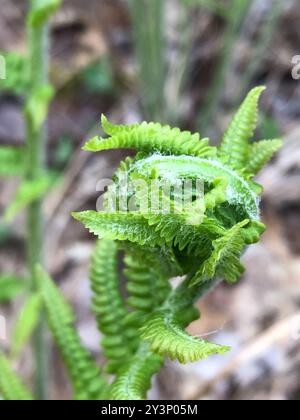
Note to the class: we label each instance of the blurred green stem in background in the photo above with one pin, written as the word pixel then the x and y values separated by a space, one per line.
pixel 149 40
pixel 179 63
pixel 35 112
pixel 236 14
pixel 38 53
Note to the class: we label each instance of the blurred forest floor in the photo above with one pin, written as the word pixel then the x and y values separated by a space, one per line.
pixel 94 71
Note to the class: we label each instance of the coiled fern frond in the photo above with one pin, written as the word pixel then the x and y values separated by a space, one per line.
pixel 200 236
pixel 85 375
pixel 11 386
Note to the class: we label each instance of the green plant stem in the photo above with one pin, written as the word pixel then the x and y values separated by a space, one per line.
pixel 148 32
pixel 38 56
pixel 177 73
pixel 185 295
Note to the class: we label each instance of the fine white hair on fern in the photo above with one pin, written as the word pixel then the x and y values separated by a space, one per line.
pixel 174 168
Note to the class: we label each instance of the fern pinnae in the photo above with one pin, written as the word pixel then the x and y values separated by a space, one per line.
pixel 260 153
pixel 108 305
pixel 234 148
pixel 120 226
pixel 134 380
pixel 149 137
pixel 166 334
pixel 147 285
pixel 85 375
pixel 11 386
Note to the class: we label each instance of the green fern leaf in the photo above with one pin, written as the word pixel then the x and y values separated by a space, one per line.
pixel 260 154
pixel 119 226
pixel 225 258
pixel 11 161
pixel 234 148
pixel 87 382
pixel 108 305
pixel 151 137
pixel 112 129
pixel 196 239
pixel 11 386
pixel 135 379
pixel 10 287
pixel 147 284
pixel 165 332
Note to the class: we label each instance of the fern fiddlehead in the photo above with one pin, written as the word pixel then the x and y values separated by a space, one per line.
pixel 203 241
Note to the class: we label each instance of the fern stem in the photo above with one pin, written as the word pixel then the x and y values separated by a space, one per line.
pixel 148 32
pixel 38 57
pixel 186 295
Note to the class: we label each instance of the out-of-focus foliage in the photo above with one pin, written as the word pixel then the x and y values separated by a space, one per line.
pixel 98 77
pixel 12 161
pixel 16 73
pixel 28 192
pixel 10 287
pixel 26 323
pixel 11 387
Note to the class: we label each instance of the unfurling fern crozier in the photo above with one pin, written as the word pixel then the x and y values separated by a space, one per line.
pixel 201 241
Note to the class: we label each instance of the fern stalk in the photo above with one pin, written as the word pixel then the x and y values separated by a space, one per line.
pixel 38 41
pixel 148 32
